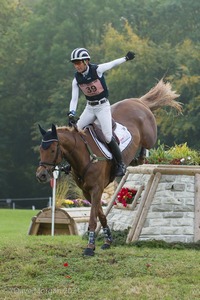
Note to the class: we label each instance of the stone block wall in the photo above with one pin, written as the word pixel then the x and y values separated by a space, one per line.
pixel 171 213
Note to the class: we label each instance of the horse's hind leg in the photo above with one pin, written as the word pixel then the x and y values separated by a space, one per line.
pixel 140 159
pixel 106 230
pixel 142 155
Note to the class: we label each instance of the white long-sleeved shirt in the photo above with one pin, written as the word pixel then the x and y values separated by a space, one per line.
pixel 100 70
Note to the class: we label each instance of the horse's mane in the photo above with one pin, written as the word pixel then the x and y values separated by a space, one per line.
pixel 64 128
pixel 161 95
pixel 69 129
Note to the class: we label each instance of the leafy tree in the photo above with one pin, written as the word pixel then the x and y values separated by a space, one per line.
pixel 37 38
pixel 149 65
pixel 164 21
pixel 186 79
pixel 12 57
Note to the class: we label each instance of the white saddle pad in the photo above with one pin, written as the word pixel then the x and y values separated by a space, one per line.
pixel 123 135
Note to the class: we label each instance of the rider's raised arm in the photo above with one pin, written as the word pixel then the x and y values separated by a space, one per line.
pixel 109 65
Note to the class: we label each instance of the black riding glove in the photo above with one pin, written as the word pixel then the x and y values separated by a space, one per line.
pixel 72 120
pixel 130 55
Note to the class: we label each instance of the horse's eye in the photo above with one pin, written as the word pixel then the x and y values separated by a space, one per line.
pixel 52 151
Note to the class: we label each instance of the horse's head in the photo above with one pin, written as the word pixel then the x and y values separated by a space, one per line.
pixel 50 154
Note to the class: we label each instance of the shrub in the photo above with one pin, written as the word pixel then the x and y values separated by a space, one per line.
pixel 177 155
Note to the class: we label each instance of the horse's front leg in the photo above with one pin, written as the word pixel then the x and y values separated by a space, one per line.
pixel 89 251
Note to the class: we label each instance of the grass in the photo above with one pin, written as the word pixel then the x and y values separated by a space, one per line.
pixel 32 267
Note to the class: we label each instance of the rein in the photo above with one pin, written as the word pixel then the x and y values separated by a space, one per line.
pixel 58 151
pixel 94 157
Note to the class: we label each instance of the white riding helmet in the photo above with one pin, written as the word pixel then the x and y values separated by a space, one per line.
pixel 80 54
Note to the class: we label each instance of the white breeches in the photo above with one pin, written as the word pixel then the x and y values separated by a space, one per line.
pixel 101 113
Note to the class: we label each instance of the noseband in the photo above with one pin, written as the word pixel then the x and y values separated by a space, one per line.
pixel 53 164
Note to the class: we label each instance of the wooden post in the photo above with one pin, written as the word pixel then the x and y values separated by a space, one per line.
pixel 165 169
pixel 137 196
pixel 146 207
pixel 144 210
pixel 197 208
pixel 140 208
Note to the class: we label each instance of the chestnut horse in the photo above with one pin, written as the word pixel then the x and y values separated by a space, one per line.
pixel 79 150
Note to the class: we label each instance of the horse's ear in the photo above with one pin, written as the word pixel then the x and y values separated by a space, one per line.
pixel 54 132
pixel 43 132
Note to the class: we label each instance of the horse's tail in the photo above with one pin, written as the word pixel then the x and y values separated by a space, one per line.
pixel 161 95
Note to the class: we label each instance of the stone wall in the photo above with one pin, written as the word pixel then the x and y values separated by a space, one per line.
pixel 171 213
pixel 173 209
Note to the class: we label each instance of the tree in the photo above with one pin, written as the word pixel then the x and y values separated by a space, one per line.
pixel 37 38
pixel 186 79
pixel 164 21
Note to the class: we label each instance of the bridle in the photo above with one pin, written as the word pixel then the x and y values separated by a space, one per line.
pixel 58 152
pixel 53 164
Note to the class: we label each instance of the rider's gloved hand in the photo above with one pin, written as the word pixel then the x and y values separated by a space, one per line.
pixel 130 55
pixel 71 116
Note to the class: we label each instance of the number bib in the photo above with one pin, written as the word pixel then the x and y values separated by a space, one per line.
pixel 92 89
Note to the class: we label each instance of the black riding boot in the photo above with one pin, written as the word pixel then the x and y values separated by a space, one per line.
pixel 114 148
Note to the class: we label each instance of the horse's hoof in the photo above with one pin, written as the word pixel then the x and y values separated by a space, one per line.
pixel 88 252
pixel 105 246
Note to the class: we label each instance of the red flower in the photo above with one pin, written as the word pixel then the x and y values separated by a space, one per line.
pixel 65 264
pixel 126 195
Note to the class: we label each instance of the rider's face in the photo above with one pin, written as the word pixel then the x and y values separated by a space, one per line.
pixel 80 65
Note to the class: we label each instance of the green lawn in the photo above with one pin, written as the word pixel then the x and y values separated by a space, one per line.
pixel 32 267
pixel 15 223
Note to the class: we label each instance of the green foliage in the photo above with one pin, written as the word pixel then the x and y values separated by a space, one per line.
pixel 159 155
pixel 74 191
pixel 186 127
pixel 164 245
pixel 66 188
pixel 183 152
pixel 179 154
pixel 146 59
pixel 148 14
pixel 37 38
pixel 119 237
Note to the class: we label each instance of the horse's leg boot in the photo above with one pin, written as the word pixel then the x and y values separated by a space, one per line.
pixel 114 148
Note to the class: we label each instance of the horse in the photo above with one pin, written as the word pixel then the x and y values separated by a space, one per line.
pixel 91 170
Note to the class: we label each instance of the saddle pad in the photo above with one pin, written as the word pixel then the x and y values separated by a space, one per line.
pixel 123 135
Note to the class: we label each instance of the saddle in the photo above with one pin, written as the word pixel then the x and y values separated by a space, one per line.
pixel 98 134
